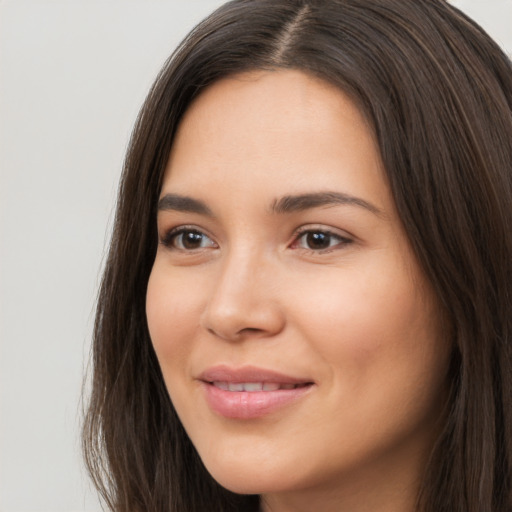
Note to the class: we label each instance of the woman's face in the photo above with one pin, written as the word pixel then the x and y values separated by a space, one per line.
pixel 299 341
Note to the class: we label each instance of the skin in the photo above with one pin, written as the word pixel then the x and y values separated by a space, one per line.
pixel 357 318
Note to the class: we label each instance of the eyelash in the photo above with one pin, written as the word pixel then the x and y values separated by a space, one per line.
pixel 169 239
pixel 304 232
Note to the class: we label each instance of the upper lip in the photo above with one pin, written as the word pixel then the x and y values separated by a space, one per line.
pixel 224 373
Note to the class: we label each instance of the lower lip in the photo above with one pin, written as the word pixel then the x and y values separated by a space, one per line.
pixel 245 405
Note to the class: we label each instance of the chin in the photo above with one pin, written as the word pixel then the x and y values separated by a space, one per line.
pixel 249 478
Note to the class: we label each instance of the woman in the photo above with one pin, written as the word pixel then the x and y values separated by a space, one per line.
pixel 306 304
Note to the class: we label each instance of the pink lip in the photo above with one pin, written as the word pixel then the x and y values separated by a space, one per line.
pixel 248 374
pixel 250 404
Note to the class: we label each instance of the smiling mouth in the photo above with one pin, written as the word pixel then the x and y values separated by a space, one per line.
pixel 252 400
pixel 253 387
pixel 250 392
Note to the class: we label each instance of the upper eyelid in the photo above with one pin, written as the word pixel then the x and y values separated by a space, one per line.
pixel 166 236
pixel 307 228
pixel 344 239
pixel 185 227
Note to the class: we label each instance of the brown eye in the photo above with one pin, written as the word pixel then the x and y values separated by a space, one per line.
pixel 317 240
pixel 188 240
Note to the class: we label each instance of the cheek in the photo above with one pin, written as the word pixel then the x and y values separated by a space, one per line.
pixel 171 315
pixel 386 361
pixel 354 310
pixel 378 328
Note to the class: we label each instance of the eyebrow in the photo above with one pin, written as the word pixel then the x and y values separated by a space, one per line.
pixel 283 205
pixel 183 204
pixel 288 204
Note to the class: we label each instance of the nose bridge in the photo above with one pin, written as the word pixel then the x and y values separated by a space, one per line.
pixel 242 300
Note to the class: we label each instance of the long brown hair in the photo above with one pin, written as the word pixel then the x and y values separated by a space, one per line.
pixel 437 92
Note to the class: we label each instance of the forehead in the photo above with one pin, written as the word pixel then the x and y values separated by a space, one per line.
pixel 282 127
pixel 282 101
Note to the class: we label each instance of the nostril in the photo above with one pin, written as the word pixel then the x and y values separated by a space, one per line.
pixel 250 330
pixel 245 332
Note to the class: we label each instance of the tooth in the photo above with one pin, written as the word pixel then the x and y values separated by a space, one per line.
pixel 253 386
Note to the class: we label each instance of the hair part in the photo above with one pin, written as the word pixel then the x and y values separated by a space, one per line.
pixel 437 92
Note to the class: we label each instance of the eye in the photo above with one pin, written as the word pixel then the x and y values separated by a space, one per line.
pixel 187 239
pixel 319 240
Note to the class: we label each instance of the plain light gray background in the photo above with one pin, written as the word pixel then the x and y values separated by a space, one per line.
pixel 73 74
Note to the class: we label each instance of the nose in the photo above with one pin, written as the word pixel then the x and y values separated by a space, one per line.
pixel 243 302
